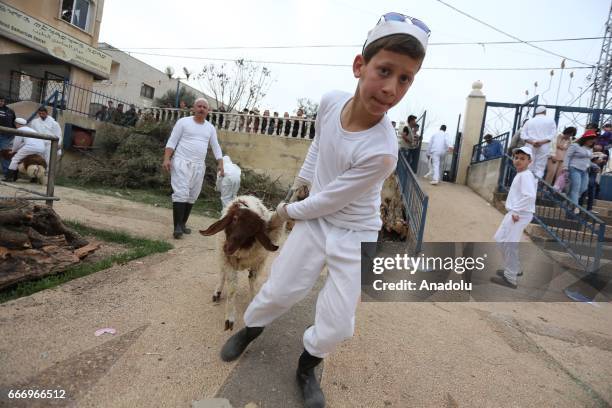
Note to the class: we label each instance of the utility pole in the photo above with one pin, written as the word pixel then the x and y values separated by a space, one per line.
pixel 602 80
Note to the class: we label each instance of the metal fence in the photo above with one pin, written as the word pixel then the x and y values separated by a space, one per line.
pixel 415 203
pixel 576 230
pixel 72 98
pixel 482 151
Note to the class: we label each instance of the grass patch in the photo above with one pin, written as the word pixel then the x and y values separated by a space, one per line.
pixel 137 248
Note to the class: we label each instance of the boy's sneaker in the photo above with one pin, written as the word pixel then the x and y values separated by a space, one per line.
pixel 433 182
pixel 503 281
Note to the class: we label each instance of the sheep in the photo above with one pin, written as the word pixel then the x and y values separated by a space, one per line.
pixel 33 166
pixel 250 229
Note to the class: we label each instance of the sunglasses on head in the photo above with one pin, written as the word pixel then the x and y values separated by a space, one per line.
pixel 406 19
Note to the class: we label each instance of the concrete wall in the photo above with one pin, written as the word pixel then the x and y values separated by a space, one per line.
pixel 128 74
pixel 278 157
pixel 483 178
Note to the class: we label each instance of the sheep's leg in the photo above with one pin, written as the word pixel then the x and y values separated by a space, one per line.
pixel 230 305
pixel 219 288
pixel 252 280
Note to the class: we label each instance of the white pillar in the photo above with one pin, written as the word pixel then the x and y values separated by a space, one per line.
pixel 472 124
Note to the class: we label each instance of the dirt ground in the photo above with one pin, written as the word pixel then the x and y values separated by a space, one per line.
pixel 169 332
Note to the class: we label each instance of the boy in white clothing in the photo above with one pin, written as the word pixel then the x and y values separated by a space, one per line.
pixel 353 152
pixel 520 204
pixel 437 149
pixel 228 184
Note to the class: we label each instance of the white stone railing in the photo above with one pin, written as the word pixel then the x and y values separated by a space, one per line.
pixel 239 122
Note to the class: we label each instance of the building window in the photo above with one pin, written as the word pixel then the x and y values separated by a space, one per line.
pixel 147 91
pixel 76 12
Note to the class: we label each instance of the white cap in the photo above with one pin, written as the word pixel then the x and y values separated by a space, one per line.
pixel 540 109
pixel 386 28
pixel 21 121
pixel 525 149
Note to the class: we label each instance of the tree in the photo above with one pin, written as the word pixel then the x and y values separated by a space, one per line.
pixel 240 85
pixel 309 106
pixel 168 100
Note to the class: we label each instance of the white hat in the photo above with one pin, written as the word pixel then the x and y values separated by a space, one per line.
pixel 525 149
pixel 21 121
pixel 387 27
pixel 540 109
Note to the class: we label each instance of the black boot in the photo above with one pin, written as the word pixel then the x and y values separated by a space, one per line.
pixel 178 212
pixel 235 345
pixel 11 175
pixel 188 207
pixel 307 380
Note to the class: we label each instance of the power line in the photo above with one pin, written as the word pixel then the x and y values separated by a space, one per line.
pixel 238 47
pixel 348 65
pixel 510 35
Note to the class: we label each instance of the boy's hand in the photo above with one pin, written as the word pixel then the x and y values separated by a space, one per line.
pixel 515 217
pixel 166 165
pixel 281 210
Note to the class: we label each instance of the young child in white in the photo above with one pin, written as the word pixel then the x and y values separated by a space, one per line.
pixel 229 183
pixel 437 149
pixel 520 204
pixel 353 152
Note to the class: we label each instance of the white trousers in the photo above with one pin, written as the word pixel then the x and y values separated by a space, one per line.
pixel 228 186
pixel 186 178
pixel 21 153
pixel 508 236
pixel 539 159
pixel 310 246
pixel 436 160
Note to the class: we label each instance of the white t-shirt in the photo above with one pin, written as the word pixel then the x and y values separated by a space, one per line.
pixel 522 194
pixel 31 144
pixel 438 143
pixel 48 127
pixel 190 139
pixel 346 169
pixel 539 128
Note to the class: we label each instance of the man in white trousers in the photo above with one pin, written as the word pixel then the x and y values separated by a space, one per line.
pixel 22 147
pixel 46 125
pixel 184 158
pixel 229 184
pixel 539 133
pixel 437 149
pixel 520 205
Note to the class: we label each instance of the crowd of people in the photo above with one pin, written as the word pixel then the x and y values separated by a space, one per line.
pixel 571 165
pixel 116 115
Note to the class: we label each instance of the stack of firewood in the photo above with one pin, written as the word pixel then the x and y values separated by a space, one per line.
pixel 34 242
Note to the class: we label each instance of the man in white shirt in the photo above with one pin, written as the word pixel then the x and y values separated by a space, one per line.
pixel 184 158
pixel 46 125
pixel 437 149
pixel 538 133
pixel 22 147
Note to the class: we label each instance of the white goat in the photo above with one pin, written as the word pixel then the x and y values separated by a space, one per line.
pixel 250 228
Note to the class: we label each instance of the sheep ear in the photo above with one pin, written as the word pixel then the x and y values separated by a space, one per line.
pixel 217 226
pixel 265 241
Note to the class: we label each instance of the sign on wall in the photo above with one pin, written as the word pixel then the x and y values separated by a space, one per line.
pixel 35 34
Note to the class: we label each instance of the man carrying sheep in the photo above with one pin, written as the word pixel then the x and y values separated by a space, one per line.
pixel 184 158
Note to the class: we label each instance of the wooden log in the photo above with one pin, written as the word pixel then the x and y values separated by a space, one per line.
pixel 14 239
pixel 47 222
pixel 17 216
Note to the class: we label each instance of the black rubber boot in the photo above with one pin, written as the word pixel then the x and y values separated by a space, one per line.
pixel 178 212
pixel 188 207
pixel 307 380
pixel 11 175
pixel 235 345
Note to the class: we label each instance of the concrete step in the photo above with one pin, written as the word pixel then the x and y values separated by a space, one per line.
pixel 553 246
pixel 603 203
pixel 563 233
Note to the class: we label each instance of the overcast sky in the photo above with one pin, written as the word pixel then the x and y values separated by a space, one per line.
pixel 133 24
